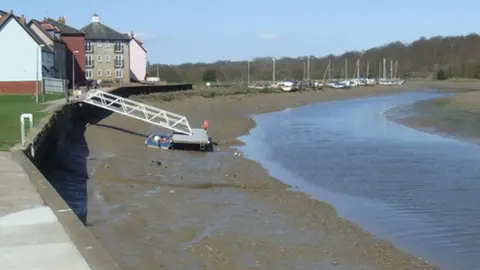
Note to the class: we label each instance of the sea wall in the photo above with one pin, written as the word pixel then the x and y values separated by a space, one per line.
pixel 45 145
pixel 48 137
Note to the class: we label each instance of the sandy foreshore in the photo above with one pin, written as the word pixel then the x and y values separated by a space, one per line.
pixel 218 210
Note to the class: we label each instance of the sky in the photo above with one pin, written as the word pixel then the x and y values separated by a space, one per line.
pixel 179 31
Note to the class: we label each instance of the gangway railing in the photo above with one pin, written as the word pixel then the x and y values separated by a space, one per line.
pixel 155 116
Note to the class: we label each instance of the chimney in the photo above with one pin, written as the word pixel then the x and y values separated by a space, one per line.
pixel 23 19
pixel 132 34
pixel 61 20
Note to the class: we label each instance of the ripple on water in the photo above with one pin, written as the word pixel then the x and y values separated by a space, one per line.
pixel 419 190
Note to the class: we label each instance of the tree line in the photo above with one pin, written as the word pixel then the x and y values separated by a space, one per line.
pixel 452 56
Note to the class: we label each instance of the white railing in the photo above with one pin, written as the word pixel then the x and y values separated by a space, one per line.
pixel 140 111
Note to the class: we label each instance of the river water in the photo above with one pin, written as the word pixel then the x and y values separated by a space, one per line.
pixel 419 190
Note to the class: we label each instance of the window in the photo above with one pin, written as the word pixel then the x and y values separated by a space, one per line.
pixel 99 58
pixel 118 73
pixel 107 58
pixel 118 60
pixel 107 44
pixel 108 73
pixel 99 44
pixel 118 46
pixel 88 60
pixel 88 46
pixel 88 74
pixel 99 73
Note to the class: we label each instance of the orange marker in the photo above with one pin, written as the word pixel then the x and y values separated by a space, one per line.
pixel 205 125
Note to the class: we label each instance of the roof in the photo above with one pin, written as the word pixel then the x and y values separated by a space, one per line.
pixel 140 44
pixel 99 31
pixel 2 13
pixel 64 28
pixel 5 19
pixel 136 40
pixel 42 28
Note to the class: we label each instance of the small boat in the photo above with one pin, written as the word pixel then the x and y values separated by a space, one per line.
pixel 338 85
pixel 159 141
pixel 288 86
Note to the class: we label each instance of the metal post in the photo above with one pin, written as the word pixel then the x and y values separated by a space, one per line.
pixel 73 70
pixel 24 116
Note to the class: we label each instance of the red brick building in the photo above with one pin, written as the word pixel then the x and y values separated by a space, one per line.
pixel 75 43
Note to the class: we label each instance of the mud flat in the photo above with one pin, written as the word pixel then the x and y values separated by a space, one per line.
pixel 218 210
pixel 457 115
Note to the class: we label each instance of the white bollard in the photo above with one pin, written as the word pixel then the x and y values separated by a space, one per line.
pixel 24 116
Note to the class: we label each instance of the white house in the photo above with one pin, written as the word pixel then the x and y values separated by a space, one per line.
pixel 24 58
pixel 138 59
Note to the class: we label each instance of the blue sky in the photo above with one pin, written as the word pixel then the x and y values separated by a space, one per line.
pixel 205 31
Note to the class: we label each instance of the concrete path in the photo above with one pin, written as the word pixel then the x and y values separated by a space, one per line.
pixel 31 236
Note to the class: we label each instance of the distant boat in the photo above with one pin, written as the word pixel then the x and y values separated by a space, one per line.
pixel 339 85
pixel 288 86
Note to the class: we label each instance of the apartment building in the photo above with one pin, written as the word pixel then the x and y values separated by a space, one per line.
pixel 106 53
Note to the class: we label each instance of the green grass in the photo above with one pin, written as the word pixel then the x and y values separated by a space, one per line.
pixel 11 107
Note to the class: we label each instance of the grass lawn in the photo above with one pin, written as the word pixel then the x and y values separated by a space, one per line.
pixel 11 107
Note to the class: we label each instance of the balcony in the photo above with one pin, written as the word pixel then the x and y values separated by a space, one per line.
pixel 89 63
pixel 119 63
pixel 118 48
pixel 89 48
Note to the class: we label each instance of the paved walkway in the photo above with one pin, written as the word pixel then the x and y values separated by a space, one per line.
pixel 31 236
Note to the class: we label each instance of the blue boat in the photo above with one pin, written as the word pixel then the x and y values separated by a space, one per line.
pixel 159 141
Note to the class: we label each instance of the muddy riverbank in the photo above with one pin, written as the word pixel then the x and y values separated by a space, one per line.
pixel 217 210
pixel 453 116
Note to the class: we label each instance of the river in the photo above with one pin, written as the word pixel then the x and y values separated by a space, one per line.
pixel 416 189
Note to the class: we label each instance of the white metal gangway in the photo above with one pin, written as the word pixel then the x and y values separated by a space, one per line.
pixel 140 111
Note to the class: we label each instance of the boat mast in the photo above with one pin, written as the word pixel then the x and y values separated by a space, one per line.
pixel 346 69
pixel 325 73
pixel 396 70
pixel 384 68
pixel 358 68
pixel 329 70
pixel 308 68
pixel 391 69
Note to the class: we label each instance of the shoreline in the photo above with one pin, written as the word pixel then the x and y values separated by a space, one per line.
pixel 453 116
pixel 262 199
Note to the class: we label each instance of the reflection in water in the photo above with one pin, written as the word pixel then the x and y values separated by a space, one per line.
pixel 416 189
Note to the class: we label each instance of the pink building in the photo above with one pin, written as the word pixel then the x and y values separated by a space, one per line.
pixel 138 60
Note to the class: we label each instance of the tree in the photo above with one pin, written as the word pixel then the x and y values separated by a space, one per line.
pixel 415 59
pixel 209 76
